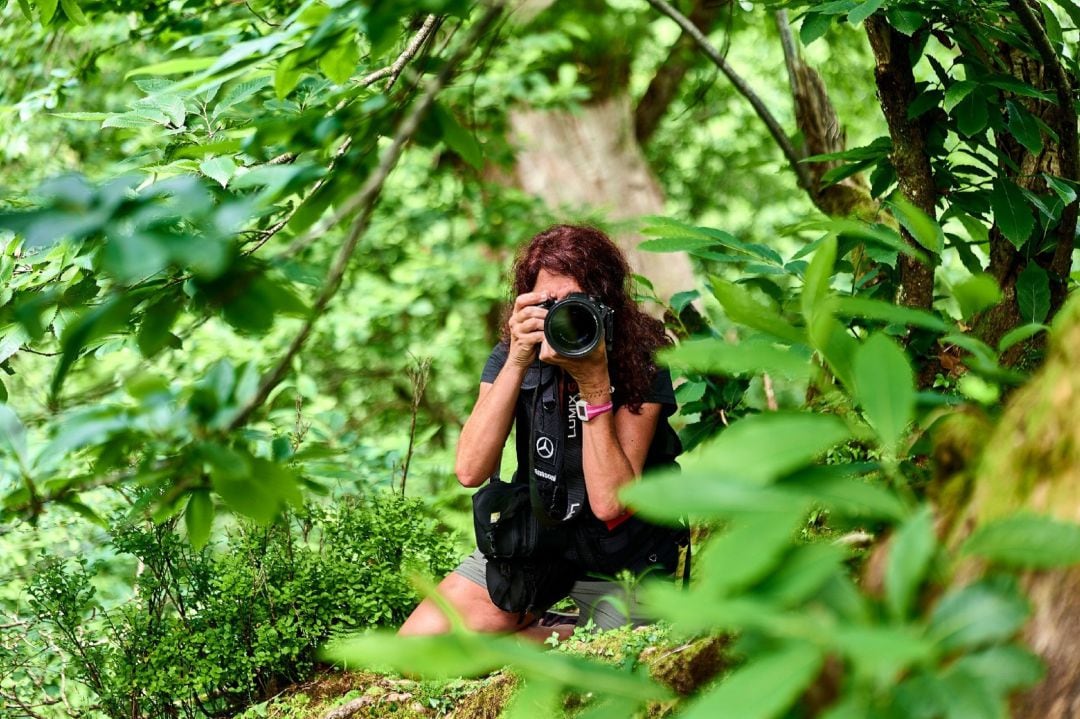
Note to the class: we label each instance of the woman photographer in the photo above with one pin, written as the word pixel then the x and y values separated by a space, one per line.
pixel 586 426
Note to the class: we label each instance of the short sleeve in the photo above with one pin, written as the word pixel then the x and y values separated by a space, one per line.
pixel 497 359
pixel 662 392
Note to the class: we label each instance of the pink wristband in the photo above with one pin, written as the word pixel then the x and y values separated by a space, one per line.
pixel 586 412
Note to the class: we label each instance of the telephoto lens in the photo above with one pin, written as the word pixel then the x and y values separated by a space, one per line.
pixel 576 324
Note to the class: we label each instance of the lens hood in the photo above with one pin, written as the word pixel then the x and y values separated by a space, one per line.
pixel 576 324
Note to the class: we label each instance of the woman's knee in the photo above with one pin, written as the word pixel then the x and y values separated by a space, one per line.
pixel 468 600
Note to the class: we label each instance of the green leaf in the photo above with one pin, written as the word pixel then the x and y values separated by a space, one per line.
pixel 743 308
pixel 836 345
pixel 762 448
pixel 1012 213
pixel 157 320
pixel 751 357
pixel 814 25
pixel 219 169
pixel 801 575
pixel 179 66
pixel 1064 189
pixel 975 294
pixel 885 389
pixel 924 229
pixel 864 10
pixel 339 63
pixel 1006 668
pixel 905 21
pixel 676 244
pixel 983 613
pixel 817 278
pixel 880 310
pixel 198 517
pixel 910 553
pixel 90 326
pixel 286 76
pixel 535 698
pixel 956 92
pixel 1071 9
pixel 73 11
pixel 1019 334
pixel 726 566
pixel 972 114
pixel 1023 127
pixel 24 6
pixel 1026 541
pixel 46 9
pixel 764 688
pixel 13 435
pixel 458 139
pixel 880 653
pixel 834 487
pixel 1033 293
pixel 977 231
pixel 670 496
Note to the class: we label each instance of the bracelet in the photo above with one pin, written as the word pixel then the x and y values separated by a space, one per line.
pixel 587 412
pixel 582 395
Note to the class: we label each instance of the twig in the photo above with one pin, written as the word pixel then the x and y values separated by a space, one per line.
pixel 781 138
pixel 431 22
pixel 418 376
pixel 770 396
pixel 364 201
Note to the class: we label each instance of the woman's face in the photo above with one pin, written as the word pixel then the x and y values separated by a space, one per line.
pixel 556 286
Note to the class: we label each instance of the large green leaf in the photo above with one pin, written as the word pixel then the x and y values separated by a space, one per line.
pixel 885 389
pixel 887 312
pixel 1024 128
pixel 750 357
pixel 881 652
pixel 1027 540
pixel 670 496
pixel 198 518
pixel 910 553
pixel 764 447
pixel 458 139
pixel 817 278
pixel 977 615
pixel 1033 293
pixel 925 229
pixel 744 308
pixel 975 294
pixel 1012 212
pixel 763 688
pixel 726 567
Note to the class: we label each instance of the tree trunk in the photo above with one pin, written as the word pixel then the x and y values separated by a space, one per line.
pixel 589 158
pixel 1032 462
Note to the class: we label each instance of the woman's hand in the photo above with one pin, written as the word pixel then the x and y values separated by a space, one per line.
pixel 590 372
pixel 526 328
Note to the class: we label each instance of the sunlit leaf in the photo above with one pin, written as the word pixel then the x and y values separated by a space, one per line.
pixel 910 553
pixel 885 388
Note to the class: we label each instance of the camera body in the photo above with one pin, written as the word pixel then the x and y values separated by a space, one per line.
pixel 576 324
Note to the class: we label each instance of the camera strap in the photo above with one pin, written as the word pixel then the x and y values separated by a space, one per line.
pixel 555 451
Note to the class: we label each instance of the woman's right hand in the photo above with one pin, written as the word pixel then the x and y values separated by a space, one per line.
pixel 526 328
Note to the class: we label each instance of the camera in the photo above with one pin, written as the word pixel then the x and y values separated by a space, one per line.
pixel 576 324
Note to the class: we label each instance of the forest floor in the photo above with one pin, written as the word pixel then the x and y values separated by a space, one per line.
pixel 682 666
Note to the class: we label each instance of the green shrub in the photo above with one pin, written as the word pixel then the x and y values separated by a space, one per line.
pixel 211 631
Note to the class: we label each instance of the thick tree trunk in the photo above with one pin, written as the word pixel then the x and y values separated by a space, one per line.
pixel 1032 462
pixel 589 158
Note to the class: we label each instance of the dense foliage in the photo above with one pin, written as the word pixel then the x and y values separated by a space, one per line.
pixel 254 254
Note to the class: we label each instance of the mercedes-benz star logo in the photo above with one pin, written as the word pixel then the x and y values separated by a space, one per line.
pixel 545 448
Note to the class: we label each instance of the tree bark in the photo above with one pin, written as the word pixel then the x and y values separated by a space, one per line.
pixel 1032 462
pixel 896 90
pixel 589 159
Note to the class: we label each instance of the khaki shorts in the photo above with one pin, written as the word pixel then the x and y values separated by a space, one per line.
pixel 608 604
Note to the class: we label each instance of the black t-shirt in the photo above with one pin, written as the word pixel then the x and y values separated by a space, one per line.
pixel 665 443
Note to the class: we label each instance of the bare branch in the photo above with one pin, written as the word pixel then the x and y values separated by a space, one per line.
pixel 364 201
pixel 793 156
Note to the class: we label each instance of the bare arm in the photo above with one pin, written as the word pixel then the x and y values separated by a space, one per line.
pixel 484 434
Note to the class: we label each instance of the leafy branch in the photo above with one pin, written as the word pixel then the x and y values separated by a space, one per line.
pixel 364 201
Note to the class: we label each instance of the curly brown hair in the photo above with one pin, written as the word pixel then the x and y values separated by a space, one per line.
pixel 600 268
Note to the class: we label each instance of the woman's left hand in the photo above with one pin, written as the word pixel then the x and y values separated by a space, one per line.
pixel 590 372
